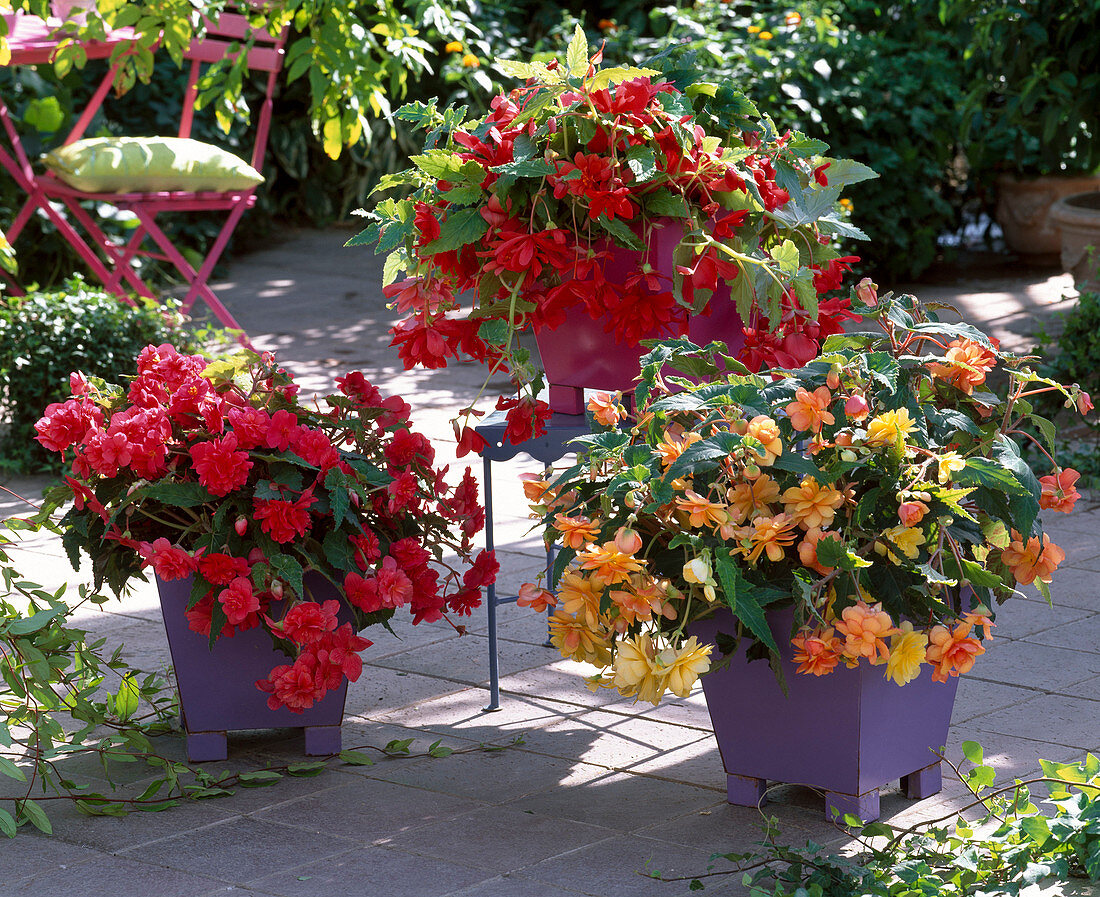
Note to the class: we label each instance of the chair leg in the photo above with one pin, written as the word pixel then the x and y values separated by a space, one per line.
pixel 195 278
pixel 119 259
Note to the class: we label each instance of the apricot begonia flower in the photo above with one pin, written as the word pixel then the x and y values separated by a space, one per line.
pixel 1032 560
pixel 535 597
pixel 952 651
pixel 700 511
pixel 608 562
pixel 812 506
pixel 1060 490
pixel 672 446
pixel 576 532
pixel 817 652
pixel 865 629
pixel 810 410
pixel 907 653
pixel 746 499
pixel 910 513
pixel 770 535
pixel 807 550
pixel 765 431
pixel 578 642
pixel 967 364
pixel 605 409
pixel 888 427
pixel 535 489
pixel 580 596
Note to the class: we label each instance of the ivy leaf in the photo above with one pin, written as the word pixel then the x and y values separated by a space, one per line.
pixel 356 758
pixel 126 700
pixel 29 810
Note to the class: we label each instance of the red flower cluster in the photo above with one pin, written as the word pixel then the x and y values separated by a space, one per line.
pixel 216 472
pixel 542 230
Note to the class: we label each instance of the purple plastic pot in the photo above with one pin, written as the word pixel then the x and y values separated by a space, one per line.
pixel 580 355
pixel 847 733
pixel 217 687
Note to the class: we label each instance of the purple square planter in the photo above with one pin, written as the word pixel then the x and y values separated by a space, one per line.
pixel 217 687
pixel 847 733
pixel 580 354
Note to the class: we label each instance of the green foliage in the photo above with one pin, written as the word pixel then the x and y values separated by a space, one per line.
pixel 1012 846
pixel 45 336
pixel 1033 71
pixel 1073 356
pixel 877 81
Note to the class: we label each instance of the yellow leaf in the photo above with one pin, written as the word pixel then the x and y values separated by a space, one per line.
pixel 618 74
pixel 332 139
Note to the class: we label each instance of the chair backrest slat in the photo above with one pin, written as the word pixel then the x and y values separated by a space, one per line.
pixel 264 59
pixel 266 55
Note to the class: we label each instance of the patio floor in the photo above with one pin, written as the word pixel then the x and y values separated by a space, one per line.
pixel 590 793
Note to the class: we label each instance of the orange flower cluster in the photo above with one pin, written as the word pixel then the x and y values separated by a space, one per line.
pixel 862 633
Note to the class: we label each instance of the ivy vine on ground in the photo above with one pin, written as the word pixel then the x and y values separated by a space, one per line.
pixel 69 696
pixel 1010 845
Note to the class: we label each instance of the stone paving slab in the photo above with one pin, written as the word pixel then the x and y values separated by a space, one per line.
pixel 586 792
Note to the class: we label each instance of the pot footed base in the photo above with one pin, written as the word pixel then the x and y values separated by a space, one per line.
pixel 750 791
pixel 206 747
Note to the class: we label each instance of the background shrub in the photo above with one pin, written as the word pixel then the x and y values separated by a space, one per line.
pixel 44 336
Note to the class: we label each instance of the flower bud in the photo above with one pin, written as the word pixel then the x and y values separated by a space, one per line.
pixel 697 571
pixel 256 556
pixel 910 513
pixel 276 589
pixel 833 379
pixel 856 407
pixel 628 541
pixel 241 525
pixel 867 291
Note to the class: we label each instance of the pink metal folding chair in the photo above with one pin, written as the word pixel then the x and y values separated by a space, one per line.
pixel 266 54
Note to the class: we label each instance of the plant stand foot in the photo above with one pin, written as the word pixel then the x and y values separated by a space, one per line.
pixel 567 399
pixel 204 747
pixel 923 783
pixel 745 791
pixel 323 740
pixel 865 806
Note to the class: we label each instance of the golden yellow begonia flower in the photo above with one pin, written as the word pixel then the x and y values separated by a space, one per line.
pixel 683 668
pixel 907 653
pixel 886 428
pixel 453 47
pixel 576 641
pixel 907 538
pixel 948 463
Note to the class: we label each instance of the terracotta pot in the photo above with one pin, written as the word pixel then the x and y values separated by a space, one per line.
pixel 1023 210
pixel 847 733
pixel 217 686
pixel 579 354
pixel 1078 216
